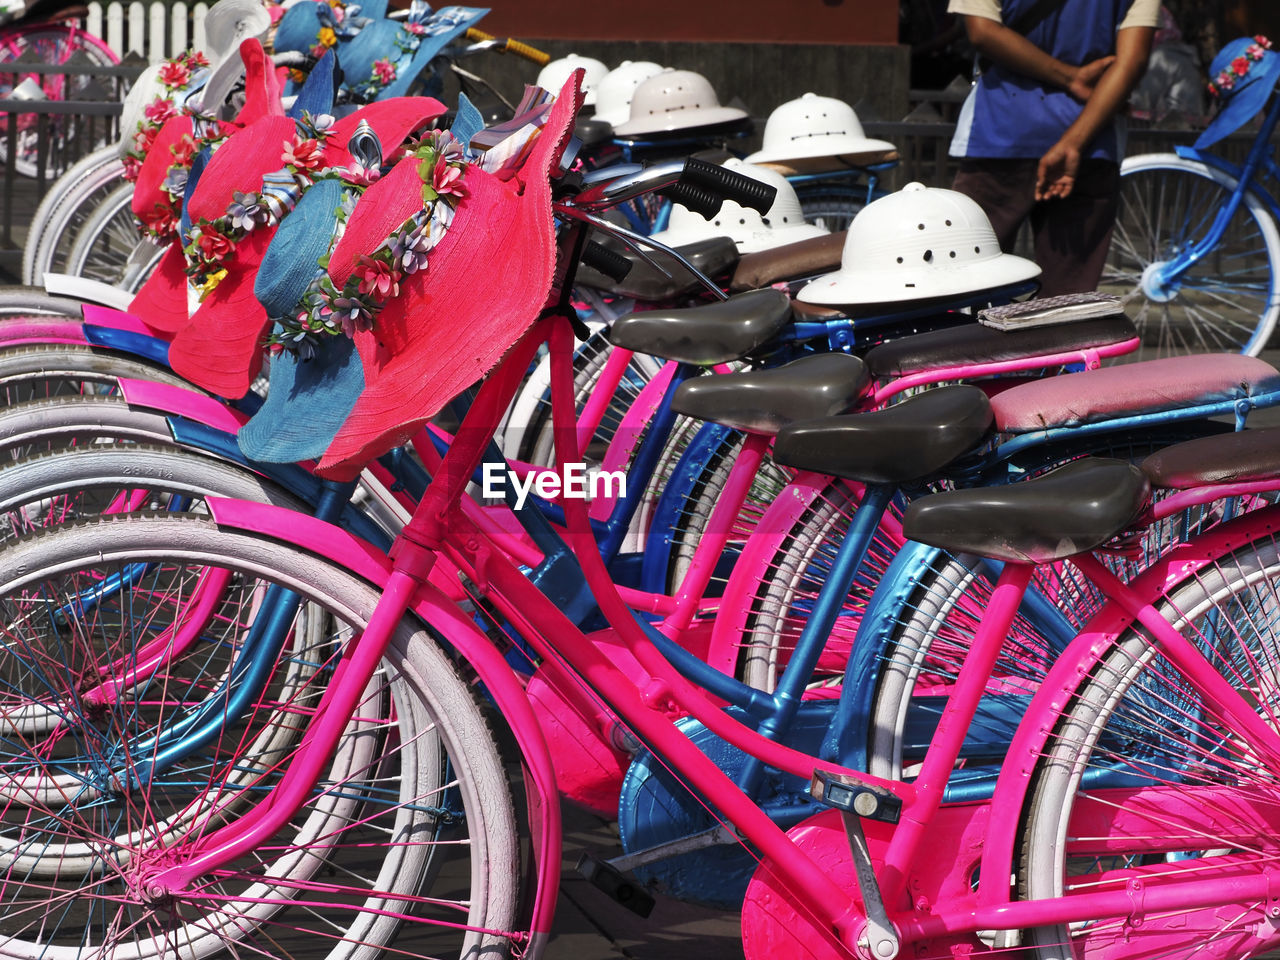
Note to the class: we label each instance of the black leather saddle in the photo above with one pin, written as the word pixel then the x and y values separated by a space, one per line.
pixel 975 343
pixel 715 257
pixel 713 333
pixel 909 441
pixel 1070 510
pixel 763 401
pixel 1224 458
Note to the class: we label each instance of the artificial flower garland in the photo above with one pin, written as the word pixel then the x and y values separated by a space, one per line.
pixel 160 223
pixel 174 75
pixel 326 311
pixel 1226 78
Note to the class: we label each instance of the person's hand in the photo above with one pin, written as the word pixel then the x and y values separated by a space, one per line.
pixel 1056 174
pixel 1087 76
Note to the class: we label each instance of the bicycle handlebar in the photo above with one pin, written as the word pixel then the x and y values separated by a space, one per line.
pixel 511 46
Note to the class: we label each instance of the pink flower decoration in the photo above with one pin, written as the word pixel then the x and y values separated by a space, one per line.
pixel 1240 65
pixel 159 110
pixel 417 29
pixel 384 70
pixel 197 59
pixel 132 167
pixel 175 74
pixel 377 278
pixel 446 179
pixel 360 175
pixel 1254 52
pixel 303 154
pixel 1262 41
pixel 184 150
pixel 1226 81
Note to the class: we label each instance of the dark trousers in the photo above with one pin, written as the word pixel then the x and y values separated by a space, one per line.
pixel 1071 235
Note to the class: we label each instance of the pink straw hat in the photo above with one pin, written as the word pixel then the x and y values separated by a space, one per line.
pixel 219 346
pixel 486 282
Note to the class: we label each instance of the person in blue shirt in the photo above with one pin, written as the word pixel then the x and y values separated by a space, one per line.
pixel 1038 134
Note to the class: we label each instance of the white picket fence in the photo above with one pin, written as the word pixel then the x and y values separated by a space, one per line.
pixel 162 30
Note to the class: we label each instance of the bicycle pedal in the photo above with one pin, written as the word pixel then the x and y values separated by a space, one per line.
pixel 615 884
pixel 853 796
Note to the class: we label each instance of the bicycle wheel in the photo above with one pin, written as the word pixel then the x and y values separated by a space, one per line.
pixel 1143 785
pixel 60 486
pixel 786 579
pixel 107 247
pixel 1228 301
pixel 830 206
pixel 62 211
pixel 413 822
pixel 55 44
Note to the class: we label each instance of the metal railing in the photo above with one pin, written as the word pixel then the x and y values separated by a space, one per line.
pixel 49 136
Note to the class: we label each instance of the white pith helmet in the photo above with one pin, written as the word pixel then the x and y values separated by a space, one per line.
pixel 814 126
pixel 618 86
pixel 783 224
pixel 675 100
pixel 555 73
pixel 917 244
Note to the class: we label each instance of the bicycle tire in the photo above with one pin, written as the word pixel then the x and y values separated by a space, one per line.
pixel 1137 725
pixel 25 301
pixel 62 485
pixel 417 765
pixel 63 209
pixel 41 371
pixel 107 246
pixel 1227 302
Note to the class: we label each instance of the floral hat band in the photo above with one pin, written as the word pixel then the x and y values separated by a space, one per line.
pixel 325 310
pixel 1235 71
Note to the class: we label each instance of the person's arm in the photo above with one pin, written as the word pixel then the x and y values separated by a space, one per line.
pixel 1058 167
pixel 1011 49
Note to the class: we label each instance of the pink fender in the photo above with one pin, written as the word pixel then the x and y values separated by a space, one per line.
pixel 41 329
pixel 179 401
pixel 118 320
pixel 370 563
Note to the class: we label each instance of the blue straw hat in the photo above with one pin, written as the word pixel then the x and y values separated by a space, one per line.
pixel 1242 76
pixel 409 46
pixel 309 398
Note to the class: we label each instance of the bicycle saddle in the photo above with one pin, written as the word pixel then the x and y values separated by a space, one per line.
pixel 901 444
pixel 790 261
pixel 764 401
pixel 1225 458
pixel 713 333
pixel 1067 511
pixel 974 343
pixel 1135 388
pixel 714 257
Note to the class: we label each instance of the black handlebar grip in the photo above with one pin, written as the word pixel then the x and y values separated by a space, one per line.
pixel 705 203
pixel 609 262
pixel 729 184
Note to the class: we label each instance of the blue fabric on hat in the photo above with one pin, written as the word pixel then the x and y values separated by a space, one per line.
pixel 307 403
pixel 460 19
pixel 297 29
pixel 320 90
pixel 301 240
pixel 309 399
pixel 198 163
pixel 467 123
pixel 1246 98
pixel 375 41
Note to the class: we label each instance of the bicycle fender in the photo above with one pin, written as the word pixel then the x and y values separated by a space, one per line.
pixel 178 401
pixel 90 291
pixel 436 609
